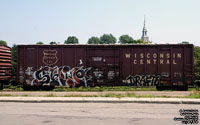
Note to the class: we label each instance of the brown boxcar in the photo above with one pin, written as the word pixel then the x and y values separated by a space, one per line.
pixel 5 65
pixel 105 65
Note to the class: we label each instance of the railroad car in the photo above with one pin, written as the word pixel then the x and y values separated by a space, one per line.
pixel 5 65
pixel 163 65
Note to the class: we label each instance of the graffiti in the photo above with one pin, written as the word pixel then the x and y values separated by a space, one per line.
pixel 98 74
pixel 29 71
pixel 80 62
pixel 21 74
pixel 143 80
pixel 111 74
pixel 97 59
pixel 28 75
pixel 62 76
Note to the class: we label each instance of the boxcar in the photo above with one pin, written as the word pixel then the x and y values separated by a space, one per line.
pixel 164 65
pixel 5 65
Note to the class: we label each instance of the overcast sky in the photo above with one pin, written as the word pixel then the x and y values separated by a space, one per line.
pixel 30 21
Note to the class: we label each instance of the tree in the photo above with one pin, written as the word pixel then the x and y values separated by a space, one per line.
pixel 108 39
pixel 39 43
pixel 125 39
pixel 14 47
pixel 197 62
pixel 71 40
pixel 140 41
pixel 2 42
pixel 53 43
pixel 185 42
pixel 94 40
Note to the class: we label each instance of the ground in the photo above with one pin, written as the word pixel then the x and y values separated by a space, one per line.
pixel 90 113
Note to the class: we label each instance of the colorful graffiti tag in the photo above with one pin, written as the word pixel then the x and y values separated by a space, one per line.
pixel 61 76
pixel 143 80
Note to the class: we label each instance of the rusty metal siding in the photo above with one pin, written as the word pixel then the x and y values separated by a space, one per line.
pixel 5 63
pixel 172 63
pixel 112 64
pixel 126 61
pixel 150 67
pixel 106 62
pixel 165 63
pixel 188 65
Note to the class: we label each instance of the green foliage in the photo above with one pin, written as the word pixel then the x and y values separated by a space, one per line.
pixel 185 42
pixel 13 88
pixel 197 62
pixel 94 40
pixel 105 88
pixel 125 39
pixel 39 43
pixel 14 47
pixel 14 63
pixel 2 42
pixel 71 40
pixel 128 39
pixel 108 39
pixel 140 41
pixel 195 94
pixel 53 43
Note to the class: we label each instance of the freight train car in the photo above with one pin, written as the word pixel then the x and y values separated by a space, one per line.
pixel 5 65
pixel 105 65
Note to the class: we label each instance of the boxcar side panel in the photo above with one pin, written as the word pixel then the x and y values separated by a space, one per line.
pixel 69 56
pixel 5 63
pixel 110 65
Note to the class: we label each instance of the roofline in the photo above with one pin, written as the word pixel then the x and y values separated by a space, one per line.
pixel 106 45
pixel 5 46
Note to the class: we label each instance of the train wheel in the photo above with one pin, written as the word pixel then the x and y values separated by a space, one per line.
pixel 1 86
pixel 52 87
pixel 197 84
pixel 159 88
pixel 184 88
pixel 47 88
pixel 26 88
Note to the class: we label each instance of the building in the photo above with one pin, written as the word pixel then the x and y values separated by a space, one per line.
pixel 145 37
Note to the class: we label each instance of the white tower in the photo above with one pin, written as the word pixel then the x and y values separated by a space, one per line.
pixel 144 33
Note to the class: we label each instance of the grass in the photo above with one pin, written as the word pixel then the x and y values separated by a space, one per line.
pixel 95 89
pixel 195 91
pixel 195 94
pixel 105 88
pixel 106 95
pixel 13 88
pixel 5 94
pixel 50 95
pixel 86 89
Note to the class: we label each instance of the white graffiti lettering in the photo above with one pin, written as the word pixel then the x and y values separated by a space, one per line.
pixel 143 80
pixel 62 76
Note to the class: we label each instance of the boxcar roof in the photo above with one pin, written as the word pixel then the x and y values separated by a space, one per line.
pixel 60 45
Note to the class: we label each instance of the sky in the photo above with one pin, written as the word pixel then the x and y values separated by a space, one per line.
pixel 30 21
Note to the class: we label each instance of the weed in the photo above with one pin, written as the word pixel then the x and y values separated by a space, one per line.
pixel 195 94
pixel 5 95
pixel 50 95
